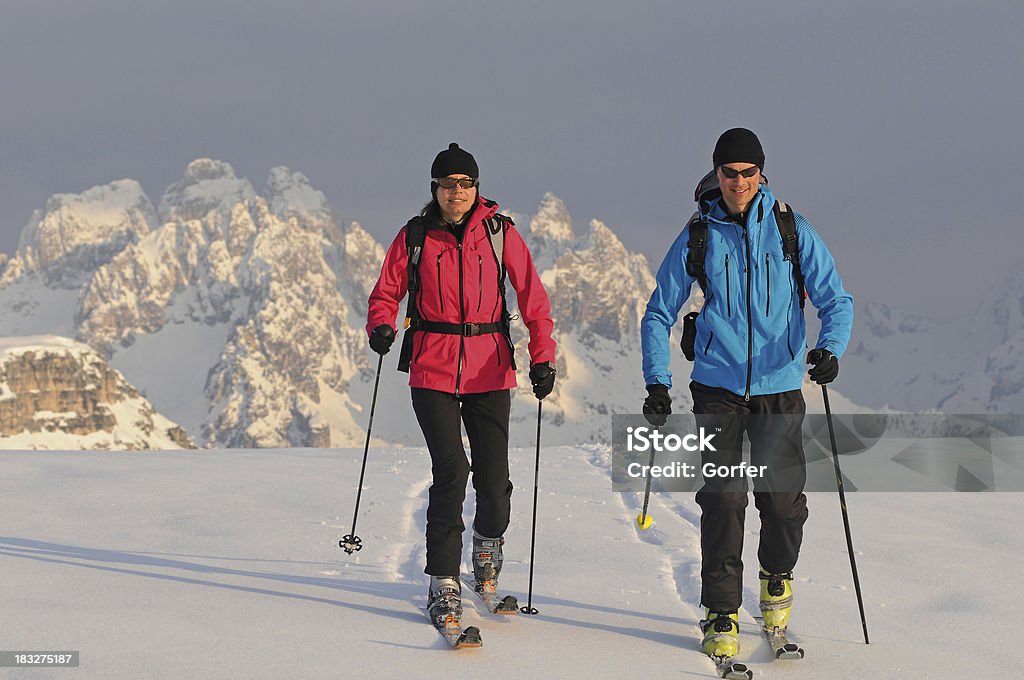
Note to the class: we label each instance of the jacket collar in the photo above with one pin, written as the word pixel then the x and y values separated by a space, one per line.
pixel 716 210
pixel 483 210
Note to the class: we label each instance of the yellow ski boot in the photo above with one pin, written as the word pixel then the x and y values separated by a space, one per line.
pixel 721 634
pixel 776 600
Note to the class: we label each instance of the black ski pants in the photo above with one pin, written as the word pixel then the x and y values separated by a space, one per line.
pixel 775 442
pixel 485 416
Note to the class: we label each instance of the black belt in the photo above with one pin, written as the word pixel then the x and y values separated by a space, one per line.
pixel 466 329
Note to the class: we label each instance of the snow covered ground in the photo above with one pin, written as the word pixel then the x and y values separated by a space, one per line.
pixel 225 564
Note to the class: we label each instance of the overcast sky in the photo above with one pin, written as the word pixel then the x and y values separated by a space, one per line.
pixel 894 126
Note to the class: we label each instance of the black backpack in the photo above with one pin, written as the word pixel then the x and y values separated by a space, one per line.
pixel 415 236
pixel 706 191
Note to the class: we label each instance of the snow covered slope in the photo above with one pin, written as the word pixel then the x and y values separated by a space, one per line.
pixel 176 564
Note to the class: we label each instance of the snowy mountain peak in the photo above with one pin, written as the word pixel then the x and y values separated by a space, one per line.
pixel 75 233
pixel 552 221
pixel 208 185
pixel 291 195
pixel 206 169
pixel 604 241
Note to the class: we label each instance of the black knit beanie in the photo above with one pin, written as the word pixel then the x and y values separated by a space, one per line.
pixel 454 161
pixel 738 145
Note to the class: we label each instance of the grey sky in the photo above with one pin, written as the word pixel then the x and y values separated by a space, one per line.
pixel 894 126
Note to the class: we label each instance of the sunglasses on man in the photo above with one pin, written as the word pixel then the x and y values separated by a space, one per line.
pixel 450 182
pixel 733 174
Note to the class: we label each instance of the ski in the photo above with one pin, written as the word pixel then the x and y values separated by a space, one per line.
pixel 782 648
pixel 456 636
pixel 730 669
pixel 506 605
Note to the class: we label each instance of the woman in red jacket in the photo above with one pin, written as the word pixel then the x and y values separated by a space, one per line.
pixel 460 362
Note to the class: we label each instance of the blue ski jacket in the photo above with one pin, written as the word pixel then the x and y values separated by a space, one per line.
pixel 751 334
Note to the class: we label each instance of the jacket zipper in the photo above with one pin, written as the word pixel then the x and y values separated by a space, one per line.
pixel 462 320
pixel 768 284
pixel 708 346
pixel 440 288
pixel 728 288
pixel 750 321
pixel 480 283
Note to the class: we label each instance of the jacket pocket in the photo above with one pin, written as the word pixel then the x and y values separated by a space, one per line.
pixel 440 283
pixel 728 288
pixel 707 346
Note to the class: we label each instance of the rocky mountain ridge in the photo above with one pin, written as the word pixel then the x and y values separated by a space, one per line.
pixel 239 313
pixel 56 393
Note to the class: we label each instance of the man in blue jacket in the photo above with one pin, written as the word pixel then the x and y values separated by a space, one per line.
pixel 748 363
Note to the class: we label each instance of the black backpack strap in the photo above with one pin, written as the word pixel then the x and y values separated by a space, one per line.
pixel 790 245
pixel 696 250
pixel 415 235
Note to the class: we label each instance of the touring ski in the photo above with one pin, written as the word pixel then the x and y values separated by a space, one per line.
pixel 506 605
pixel 455 634
pixel 782 648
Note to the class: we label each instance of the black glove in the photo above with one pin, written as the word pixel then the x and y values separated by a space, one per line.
pixel 381 339
pixel 543 378
pixel 657 405
pixel 826 366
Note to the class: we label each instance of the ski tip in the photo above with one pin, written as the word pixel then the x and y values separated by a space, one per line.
pixel 470 637
pixel 790 651
pixel 644 521
pixel 508 605
pixel 736 671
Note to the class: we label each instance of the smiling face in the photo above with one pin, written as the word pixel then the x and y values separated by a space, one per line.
pixel 738 191
pixel 457 201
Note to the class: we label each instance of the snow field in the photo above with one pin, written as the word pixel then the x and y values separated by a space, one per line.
pixel 225 564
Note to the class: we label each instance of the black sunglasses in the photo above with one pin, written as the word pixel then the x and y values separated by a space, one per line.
pixel 450 182
pixel 733 174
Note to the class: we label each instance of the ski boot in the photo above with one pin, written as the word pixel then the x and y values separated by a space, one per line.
pixel 721 634
pixel 776 600
pixel 444 602
pixel 487 559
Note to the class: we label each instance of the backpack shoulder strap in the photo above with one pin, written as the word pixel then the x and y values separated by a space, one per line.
pixel 786 221
pixel 496 227
pixel 415 236
pixel 696 250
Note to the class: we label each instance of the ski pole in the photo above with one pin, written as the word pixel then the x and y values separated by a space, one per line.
pixel 846 517
pixel 529 609
pixel 643 520
pixel 350 542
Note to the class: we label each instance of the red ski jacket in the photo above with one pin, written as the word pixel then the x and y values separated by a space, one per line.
pixel 464 364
